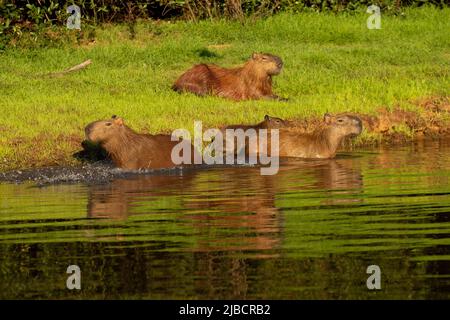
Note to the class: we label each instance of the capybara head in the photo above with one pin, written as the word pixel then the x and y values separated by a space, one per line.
pixel 103 130
pixel 346 125
pixel 268 63
pixel 273 122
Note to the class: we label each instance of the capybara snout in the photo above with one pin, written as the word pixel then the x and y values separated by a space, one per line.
pixel 346 124
pixel 88 130
pixel 357 126
pixel 271 63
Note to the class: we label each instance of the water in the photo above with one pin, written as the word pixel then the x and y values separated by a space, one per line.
pixel 309 232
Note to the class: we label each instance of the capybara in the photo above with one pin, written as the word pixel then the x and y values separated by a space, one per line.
pixel 324 141
pixel 130 150
pixel 231 142
pixel 251 81
pixel 268 123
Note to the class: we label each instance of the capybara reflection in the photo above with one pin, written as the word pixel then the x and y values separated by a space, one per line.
pixel 323 142
pixel 122 197
pixel 130 150
pixel 250 207
pixel 251 81
pixel 243 200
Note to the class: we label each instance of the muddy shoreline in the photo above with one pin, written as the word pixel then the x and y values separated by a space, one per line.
pixel 396 125
pixel 388 128
pixel 88 173
pixel 92 173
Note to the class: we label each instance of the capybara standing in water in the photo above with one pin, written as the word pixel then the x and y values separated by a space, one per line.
pixel 130 150
pixel 252 81
pixel 231 142
pixel 324 141
pixel 268 123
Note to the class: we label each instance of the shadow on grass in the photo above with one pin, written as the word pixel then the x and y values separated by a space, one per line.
pixel 206 53
pixel 91 152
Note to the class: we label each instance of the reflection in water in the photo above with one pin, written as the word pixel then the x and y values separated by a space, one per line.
pixel 308 232
pixel 336 177
pixel 117 199
pixel 249 207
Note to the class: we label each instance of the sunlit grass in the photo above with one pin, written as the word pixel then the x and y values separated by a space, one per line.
pixel 332 63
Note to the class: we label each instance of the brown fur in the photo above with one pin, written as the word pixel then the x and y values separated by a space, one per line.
pixel 250 82
pixel 268 123
pixel 130 150
pixel 323 142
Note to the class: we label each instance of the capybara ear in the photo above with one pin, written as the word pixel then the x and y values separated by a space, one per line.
pixel 113 116
pixel 266 117
pixel 255 55
pixel 118 121
pixel 327 118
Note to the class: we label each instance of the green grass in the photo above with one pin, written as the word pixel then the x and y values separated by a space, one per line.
pixel 332 63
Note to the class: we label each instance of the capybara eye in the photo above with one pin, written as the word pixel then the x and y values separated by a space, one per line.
pixel 108 124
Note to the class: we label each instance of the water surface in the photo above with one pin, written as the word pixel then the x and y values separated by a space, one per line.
pixel 229 233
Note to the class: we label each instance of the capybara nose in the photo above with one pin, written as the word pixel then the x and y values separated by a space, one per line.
pixel 88 130
pixel 358 123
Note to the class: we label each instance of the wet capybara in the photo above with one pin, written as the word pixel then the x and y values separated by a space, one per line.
pixel 251 81
pixel 323 142
pixel 268 123
pixel 130 150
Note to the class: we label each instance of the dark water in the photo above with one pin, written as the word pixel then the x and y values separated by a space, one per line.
pixel 308 232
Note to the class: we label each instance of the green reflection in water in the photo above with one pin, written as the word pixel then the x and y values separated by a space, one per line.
pixel 308 232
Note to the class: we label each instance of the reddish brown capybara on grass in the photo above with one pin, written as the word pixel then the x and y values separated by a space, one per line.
pixel 251 81
pixel 131 150
pixel 322 142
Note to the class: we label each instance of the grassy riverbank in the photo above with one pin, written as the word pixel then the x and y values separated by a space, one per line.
pixel 332 63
